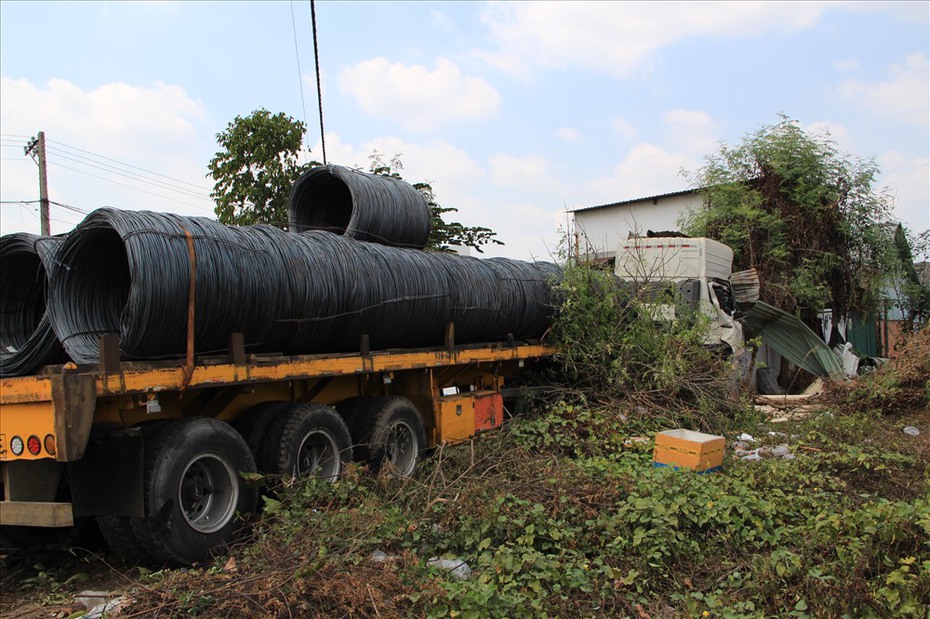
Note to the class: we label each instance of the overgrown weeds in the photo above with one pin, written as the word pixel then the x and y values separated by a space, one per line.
pixel 564 514
pixel 600 532
pixel 903 384
pixel 617 360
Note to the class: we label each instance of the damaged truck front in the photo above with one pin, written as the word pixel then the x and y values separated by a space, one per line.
pixel 672 274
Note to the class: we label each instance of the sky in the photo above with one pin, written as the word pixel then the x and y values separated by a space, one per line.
pixel 515 112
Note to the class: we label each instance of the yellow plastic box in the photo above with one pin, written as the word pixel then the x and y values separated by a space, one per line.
pixel 689 449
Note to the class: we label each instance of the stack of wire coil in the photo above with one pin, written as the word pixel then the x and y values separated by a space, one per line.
pixel 366 207
pixel 129 273
pixel 27 341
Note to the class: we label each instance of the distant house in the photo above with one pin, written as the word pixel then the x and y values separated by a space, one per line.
pixel 892 317
pixel 600 229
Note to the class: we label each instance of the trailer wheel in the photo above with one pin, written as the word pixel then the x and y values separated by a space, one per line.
pixel 392 432
pixel 119 536
pixel 193 491
pixel 308 439
pixel 352 409
pixel 254 423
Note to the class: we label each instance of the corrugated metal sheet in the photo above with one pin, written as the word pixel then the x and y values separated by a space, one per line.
pixel 746 286
pixel 792 339
pixel 863 335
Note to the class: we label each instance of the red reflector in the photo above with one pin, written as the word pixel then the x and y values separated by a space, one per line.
pixel 34 445
pixel 50 446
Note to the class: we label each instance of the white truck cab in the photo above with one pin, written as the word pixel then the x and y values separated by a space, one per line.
pixel 672 272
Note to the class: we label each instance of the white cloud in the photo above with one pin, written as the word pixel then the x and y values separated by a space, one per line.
pixel 568 134
pixel 511 171
pixel 419 98
pixel 646 170
pixel 442 21
pixel 158 128
pixel 691 131
pixel 909 182
pixel 905 94
pixel 624 128
pixel 619 37
pixel 839 134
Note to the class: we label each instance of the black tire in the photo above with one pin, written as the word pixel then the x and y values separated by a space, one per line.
pixel 307 439
pixel 118 534
pixel 392 432
pixel 352 409
pixel 193 490
pixel 254 423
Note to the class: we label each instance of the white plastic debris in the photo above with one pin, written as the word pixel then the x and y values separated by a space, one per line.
pixel 456 567
pixel 89 599
pixel 377 556
pixel 752 456
pixel 781 451
pixel 911 430
pixel 97 603
pixel 746 438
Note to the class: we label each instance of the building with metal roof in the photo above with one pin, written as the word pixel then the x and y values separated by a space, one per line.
pixel 600 229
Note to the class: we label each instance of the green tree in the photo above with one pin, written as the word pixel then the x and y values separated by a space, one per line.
pixel 803 214
pixel 256 167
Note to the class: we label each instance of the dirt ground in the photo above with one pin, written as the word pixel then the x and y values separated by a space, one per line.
pixel 45 579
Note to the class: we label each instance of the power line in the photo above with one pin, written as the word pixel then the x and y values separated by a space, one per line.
pixel 319 90
pixel 131 175
pixel 67 207
pixel 120 168
pixel 300 81
pixel 128 165
pixel 201 191
pixel 157 195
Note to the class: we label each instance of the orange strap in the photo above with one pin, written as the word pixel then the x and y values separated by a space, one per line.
pixel 191 295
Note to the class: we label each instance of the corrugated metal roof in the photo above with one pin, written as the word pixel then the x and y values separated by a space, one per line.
pixel 625 202
pixel 792 339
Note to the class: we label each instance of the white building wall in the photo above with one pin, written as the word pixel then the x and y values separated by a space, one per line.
pixel 600 230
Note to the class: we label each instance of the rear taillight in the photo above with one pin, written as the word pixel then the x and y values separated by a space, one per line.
pixel 34 445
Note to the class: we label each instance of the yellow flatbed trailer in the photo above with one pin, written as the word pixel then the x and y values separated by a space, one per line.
pixel 154 450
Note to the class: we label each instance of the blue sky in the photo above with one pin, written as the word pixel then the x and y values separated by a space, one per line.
pixel 514 111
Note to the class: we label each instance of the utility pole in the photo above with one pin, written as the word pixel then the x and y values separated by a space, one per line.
pixel 36 150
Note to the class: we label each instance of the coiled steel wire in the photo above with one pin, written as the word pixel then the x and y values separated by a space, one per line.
pixel 366 207
pixel 129 273
pixel 27 341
